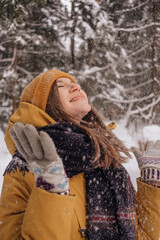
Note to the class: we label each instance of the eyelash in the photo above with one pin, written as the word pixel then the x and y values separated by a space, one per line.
pixel 60 86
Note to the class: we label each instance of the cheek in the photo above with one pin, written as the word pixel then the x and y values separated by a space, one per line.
pixel 62 96
pixel 63 99
pixel 64 104
pixel 85 96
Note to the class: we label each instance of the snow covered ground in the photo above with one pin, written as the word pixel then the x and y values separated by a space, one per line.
pixel 130 138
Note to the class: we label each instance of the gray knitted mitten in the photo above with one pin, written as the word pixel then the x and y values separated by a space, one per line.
pixel 149 161
pixel 39 151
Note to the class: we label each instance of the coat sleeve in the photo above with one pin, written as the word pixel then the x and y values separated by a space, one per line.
pixel 27 212
pixel 148 212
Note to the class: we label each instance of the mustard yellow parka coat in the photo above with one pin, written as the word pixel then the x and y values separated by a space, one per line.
pixel 30 213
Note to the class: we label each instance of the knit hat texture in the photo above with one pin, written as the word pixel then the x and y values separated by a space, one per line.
pixel 37 91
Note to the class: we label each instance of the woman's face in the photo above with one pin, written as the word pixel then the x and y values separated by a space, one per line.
pixel 74 100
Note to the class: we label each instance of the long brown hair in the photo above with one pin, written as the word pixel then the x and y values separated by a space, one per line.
pixel 108 148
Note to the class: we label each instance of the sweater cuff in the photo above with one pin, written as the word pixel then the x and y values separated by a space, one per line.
pixel 150 174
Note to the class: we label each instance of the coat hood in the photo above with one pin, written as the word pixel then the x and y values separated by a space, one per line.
pixel 33 102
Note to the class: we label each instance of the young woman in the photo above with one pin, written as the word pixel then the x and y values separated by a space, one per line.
pixel 66 181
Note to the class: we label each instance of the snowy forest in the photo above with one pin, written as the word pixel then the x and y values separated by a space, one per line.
pixel 111 47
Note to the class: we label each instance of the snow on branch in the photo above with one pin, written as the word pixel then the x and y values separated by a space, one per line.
pixel 24 71
pixel 131 9
pixel 140 110
pixel 140 49
pixel 131 100
pixel 2 48
pixel 139 28
pixel 147 116
pixel 117 104
pixel 138 86
pixel 6 60
pixel 33 52
pixel 99 69
pixel 135 74
pixel 110 65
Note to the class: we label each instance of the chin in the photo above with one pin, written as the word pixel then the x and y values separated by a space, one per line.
pixel 86 111
pixel 89 108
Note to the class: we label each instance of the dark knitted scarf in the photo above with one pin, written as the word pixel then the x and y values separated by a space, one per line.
pixel 110 197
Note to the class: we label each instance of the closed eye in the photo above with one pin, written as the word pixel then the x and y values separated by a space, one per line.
pixel 60 86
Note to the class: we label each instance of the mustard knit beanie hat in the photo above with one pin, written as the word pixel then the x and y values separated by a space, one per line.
pixel 37 91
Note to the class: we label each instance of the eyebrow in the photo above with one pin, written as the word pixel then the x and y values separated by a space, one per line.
pixel 61 81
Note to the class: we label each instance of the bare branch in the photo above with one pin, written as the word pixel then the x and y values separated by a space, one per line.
pixel 24 71
pixel 140 49
pixel 33 52
pixel 146 107
pixel 8 41
pixel 138 86
pixel 135 74
pixel 131 9
pixel 138 28
pixel 6 60
pixel 147 116
pixel 127 101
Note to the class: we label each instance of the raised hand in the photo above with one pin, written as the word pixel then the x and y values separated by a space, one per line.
pixel 39 151
pixel 149 161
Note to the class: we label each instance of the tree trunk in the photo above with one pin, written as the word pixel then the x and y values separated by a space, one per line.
pixel 92 46
pixel 92 49
pixel 154 58
pixel 14 83
pixel 73 33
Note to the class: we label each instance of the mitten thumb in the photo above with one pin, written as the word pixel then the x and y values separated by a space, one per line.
pixel 157 145
pixel 136 152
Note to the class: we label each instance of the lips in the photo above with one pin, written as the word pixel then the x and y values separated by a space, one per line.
pixel 76 98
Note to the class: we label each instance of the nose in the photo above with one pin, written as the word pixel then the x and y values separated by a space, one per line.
pixel 74 87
